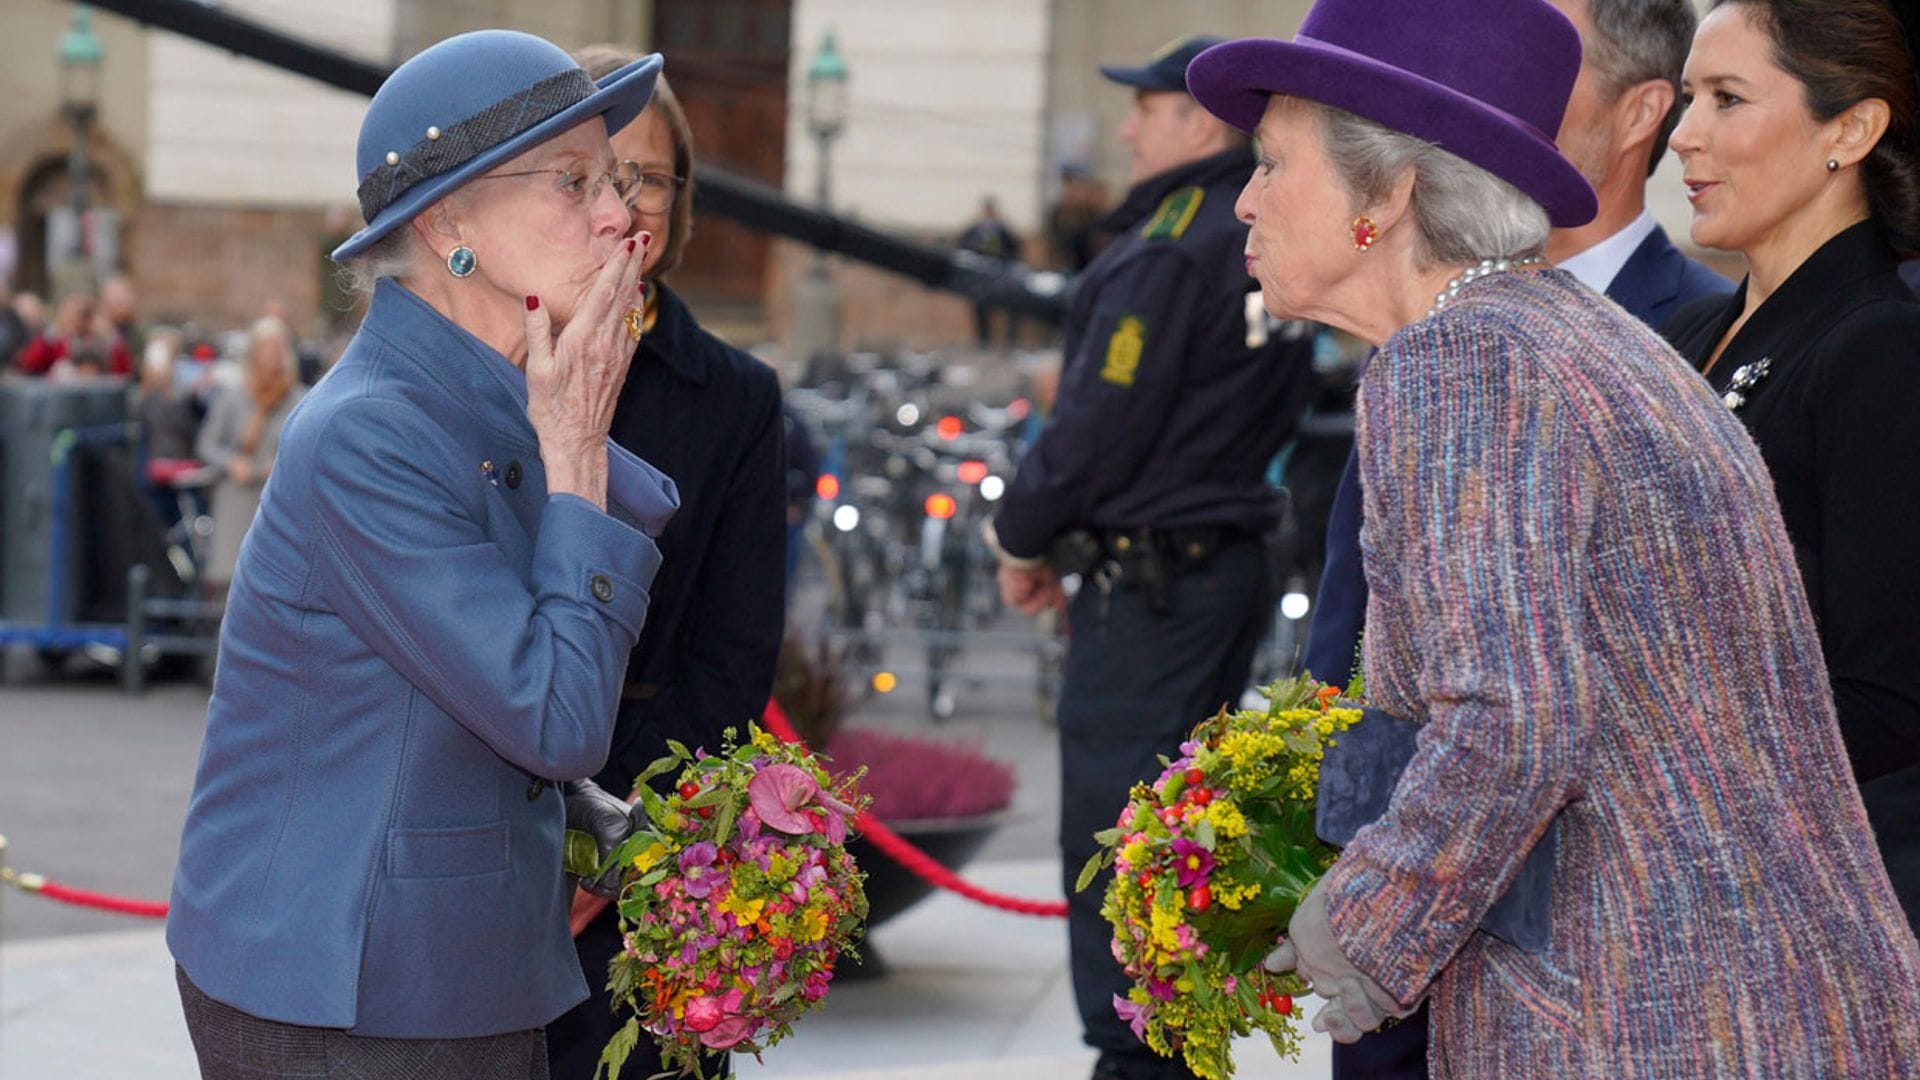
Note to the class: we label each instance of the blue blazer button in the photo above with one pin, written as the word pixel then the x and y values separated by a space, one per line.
pixel 602 588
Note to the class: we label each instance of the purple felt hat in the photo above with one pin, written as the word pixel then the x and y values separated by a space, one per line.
pixel 1486 80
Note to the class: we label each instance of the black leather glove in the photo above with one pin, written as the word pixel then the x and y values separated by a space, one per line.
pixel 591 810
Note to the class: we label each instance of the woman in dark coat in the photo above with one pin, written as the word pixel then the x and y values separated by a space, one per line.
pixel 707 415
pixel 1802 152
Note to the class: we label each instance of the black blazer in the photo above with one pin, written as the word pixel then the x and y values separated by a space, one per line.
pixel 1828 374
pixel 708 415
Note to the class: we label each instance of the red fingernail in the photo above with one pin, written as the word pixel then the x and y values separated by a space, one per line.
pixel 646 238
pixel 642 287
pixel 533 303
pixel 629 243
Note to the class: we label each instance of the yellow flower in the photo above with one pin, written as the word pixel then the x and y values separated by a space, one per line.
pixel 654 853
pixel 815 924
pixel 1228 822
pixel 745 912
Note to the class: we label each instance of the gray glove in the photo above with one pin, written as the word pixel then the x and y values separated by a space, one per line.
pixel 591 810
pixel 1355 1003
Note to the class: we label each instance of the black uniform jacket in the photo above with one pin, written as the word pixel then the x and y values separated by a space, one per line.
pixel 1834 415
pixel 707 415
pixel 1166 417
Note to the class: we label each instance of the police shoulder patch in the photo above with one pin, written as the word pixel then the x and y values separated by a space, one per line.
pixel 1175 214
pixel 1123 351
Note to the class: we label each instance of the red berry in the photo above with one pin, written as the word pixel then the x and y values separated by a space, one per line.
pixel 1281 1004
pixel 1200 899
pixel 1195 776
pixel 1202 796
pixel 1146 879
pixel 689 789
pixel 705 811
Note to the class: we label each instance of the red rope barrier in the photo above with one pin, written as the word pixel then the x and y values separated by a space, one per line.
pixel 67 894
pixel 891 843
pixel 902 851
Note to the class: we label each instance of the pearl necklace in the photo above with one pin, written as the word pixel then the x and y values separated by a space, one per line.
pixel 1487 268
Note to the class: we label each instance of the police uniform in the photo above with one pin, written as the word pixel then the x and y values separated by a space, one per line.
pixel 1151 473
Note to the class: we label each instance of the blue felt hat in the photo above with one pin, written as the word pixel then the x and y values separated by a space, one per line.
pixel 467 104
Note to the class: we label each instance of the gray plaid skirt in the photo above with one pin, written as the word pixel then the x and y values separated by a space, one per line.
pixel 233 1045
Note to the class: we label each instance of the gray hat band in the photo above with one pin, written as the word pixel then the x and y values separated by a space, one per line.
pixel 454 145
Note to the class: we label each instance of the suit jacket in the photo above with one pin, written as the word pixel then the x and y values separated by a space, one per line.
pixel 1833 415
pixel 418 639
pixel 1653 284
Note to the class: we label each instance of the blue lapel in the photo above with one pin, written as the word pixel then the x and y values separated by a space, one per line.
pixel 476 378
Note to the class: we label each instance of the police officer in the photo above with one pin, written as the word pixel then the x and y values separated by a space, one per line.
pixel 1150 482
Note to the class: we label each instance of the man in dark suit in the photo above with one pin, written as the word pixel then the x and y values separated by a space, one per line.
pixel 1624 105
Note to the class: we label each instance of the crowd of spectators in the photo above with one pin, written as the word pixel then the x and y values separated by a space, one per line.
pixel 208 405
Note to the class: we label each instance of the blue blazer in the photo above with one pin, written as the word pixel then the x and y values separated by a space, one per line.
pixel 418 639
pixel 1655 282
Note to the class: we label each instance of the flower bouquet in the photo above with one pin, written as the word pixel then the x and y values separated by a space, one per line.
pixel 737 898
pixel 1210 861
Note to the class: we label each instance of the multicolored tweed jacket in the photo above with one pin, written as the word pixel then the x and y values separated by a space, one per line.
pixel 1582 589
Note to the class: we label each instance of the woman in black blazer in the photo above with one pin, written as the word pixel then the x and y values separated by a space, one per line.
pixel 1802 151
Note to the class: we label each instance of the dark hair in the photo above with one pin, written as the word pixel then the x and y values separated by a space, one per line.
pixel 1638 41
pixel 601 60
pixel 1844 52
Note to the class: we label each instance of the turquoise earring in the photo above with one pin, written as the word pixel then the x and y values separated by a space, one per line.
pixel 461 261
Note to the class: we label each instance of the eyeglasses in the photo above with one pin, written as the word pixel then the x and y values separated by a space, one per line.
pixel 655 192
pixel 580 185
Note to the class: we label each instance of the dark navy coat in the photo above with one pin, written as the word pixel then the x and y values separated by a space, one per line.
pixel 1166 417
pixel 708 415
pixel 419 637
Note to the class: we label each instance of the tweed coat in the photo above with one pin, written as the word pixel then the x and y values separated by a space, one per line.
pixel 419 639
pixel 1581 587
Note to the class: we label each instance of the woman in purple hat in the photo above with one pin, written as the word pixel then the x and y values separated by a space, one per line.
pixel 1802 152
pixel 1581 593
pixel 433 609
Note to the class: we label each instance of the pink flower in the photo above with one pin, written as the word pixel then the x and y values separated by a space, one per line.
pixel 696 863
pixel 727 1033
pixel 1192 863
pixel 1136 1016
pixel 749 825
pixel 703 1013
pixel 781 794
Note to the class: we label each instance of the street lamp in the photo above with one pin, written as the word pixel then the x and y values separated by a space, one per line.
pixel 816 324
pixel 826 103
pixel 80 58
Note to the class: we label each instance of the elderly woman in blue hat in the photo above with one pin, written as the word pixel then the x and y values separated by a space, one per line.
pixel 432 613
pixel 1581 594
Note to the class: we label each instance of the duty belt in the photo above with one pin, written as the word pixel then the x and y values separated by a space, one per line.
pixel 1144 559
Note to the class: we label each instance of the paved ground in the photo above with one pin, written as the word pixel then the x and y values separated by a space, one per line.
pixel 93 785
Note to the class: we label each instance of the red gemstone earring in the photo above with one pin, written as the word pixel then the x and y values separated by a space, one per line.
pixel 1365 232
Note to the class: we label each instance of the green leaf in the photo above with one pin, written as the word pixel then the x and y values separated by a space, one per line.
pixel 581 856
pixel 660 767
pixel 614 1057
pixel 679 750
pixel 1109 837
pixel 656 806
pixel 1092 870
pixel 1203 834
pixel 723 823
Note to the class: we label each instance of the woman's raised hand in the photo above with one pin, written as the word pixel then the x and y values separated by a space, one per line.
pixel 574 379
